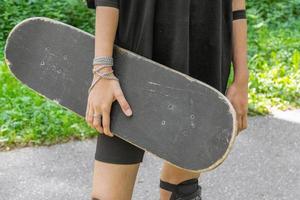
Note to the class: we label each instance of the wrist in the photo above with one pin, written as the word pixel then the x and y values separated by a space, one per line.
pixel 104 69
pixel 241 78
pixel 107 72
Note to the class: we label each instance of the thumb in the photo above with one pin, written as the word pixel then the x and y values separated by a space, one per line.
pixel 123 103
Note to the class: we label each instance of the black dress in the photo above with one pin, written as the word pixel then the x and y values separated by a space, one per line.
pixel 191 36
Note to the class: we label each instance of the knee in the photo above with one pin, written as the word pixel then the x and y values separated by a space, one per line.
pixel 106 196
pixel 94 197
pixel 176 175
pixel 97 197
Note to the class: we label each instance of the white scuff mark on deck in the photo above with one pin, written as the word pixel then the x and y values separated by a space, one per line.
pixel 153 83
pixel 175 138
pixel 49 62
pixel 184 133
pixel 191 101
pixel 152 90
pixel 193 125
pixel 57 100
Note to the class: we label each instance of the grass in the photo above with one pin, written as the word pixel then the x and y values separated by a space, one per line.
pixel 274 60
pixel 27 119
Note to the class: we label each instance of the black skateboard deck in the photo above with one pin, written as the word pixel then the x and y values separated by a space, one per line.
pixel 175 117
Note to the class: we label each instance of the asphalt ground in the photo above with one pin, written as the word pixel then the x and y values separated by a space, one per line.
pixel 263 165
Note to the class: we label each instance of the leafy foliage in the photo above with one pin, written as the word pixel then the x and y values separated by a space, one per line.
pixel 25 117
pixel 272 12
pixel 29 119
pixel 73 12
pixel 273 55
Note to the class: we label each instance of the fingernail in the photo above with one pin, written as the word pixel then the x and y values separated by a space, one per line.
pixel 128 112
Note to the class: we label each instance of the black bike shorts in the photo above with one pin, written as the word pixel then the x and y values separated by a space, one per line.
pixel 117 151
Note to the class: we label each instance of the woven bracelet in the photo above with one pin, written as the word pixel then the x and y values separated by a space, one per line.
pixel 104 75
pixel 98 68
pixel 103 60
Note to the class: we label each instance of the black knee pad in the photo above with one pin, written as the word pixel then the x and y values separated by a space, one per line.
pixel 186 190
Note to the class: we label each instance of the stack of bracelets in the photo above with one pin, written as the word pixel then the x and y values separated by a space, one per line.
pixel 102 62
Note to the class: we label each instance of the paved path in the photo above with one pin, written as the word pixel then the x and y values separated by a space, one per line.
pixel 264 165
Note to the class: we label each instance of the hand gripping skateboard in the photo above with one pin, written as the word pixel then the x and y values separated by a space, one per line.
pixel 175 117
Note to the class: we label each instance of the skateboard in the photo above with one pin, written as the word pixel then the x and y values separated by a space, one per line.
pixel 176 117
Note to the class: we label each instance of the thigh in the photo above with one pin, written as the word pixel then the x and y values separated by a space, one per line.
pixel 175 175
pixel 113 181
pixel 115 168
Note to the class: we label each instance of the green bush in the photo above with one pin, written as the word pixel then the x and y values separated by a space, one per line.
pixel 273 55
pixel 29 119
pixel 73 12
pixel 274 67
pixel 272 12
pixel 25 117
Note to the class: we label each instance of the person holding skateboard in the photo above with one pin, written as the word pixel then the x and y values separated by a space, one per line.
pixel 199 38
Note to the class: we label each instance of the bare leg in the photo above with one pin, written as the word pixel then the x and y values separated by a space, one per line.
pixel 174 175
pixel 113 181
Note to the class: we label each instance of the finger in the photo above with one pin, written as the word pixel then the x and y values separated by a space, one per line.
pixel 97 121
pixel 89 117
pixel 123 103
pixel 242 123
pixel 106 120
pixel 245 121
pixel 239 123
pixel 86 110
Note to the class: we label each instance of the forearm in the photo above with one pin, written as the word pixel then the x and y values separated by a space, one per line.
pixel 239 44
pixel 105 30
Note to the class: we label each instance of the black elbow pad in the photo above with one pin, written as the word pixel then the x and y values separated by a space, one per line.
pixel 94 3
pixel 239 14
pixel 90 4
